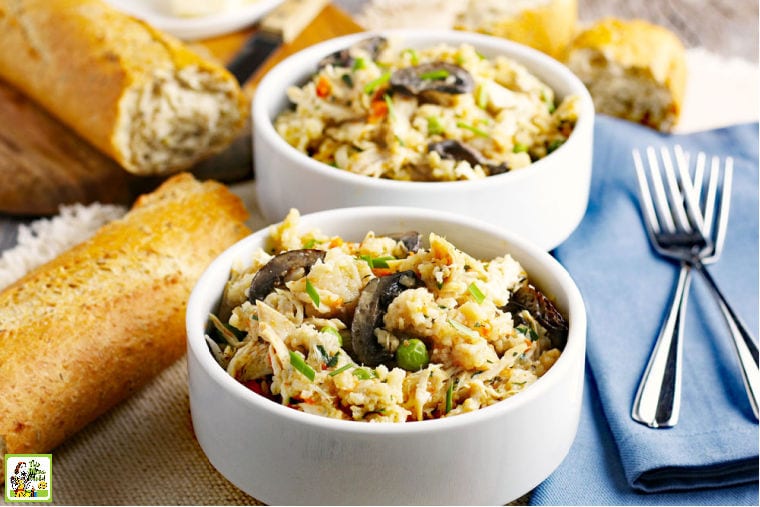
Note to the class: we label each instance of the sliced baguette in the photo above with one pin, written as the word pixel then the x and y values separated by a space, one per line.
pixel 137 94
pixel 81 333
pixel 633 69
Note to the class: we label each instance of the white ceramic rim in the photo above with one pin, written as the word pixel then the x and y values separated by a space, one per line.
pixel 308 58
pixel 196 27
pixel 574 350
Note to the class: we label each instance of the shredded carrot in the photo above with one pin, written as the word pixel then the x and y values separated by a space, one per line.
pixel 336 241
pixel 378 111
pixel 382 271
pixel 323 87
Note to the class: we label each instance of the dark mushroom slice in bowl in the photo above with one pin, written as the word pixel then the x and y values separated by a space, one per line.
pixel 441 77
pixel 344 57
pixel 410 241
pixel 372 305
pixel 282 268
pixel 457 150
pixel 529 298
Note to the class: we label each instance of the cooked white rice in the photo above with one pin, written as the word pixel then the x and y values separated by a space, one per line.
pixel 352 114
pixel 287 347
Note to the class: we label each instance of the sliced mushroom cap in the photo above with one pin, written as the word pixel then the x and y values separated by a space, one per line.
pixel 373 303
pixel 282 268
pixel 440 77
pixel 410 241
pixel 457 150
pixel 344 57
pixel 546 313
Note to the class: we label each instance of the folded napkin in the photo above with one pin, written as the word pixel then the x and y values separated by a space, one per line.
pixel 711 456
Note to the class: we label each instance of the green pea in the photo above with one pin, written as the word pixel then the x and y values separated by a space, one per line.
pixel 412 355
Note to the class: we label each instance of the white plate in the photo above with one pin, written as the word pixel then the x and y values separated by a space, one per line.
pixel 156 12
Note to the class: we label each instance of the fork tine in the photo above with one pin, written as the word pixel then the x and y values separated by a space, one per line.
pixel 711 196
pixel 699 176
pixel 645 197
pixel 725 207
pixel 660 199
pixel 676 197
pixel 691 200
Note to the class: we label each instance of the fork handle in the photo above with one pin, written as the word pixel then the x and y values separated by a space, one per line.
pixel 658 399
pixel 744 344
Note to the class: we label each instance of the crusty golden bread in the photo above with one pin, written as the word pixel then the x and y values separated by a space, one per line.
pixel 546 25
pixel 634 70
pixel 81 333
pixel 139 95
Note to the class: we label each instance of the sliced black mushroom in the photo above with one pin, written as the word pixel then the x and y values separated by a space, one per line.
pixel 344 57
pixel 442 77
pixel 373 303
pixel 282 268
pixel 456 150
pixel 529 298
pixel 409 241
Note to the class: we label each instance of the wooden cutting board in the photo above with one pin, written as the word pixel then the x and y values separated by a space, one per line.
pixel 44 164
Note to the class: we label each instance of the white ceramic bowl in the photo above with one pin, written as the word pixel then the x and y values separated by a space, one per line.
pixel 544 202
pixel 490 456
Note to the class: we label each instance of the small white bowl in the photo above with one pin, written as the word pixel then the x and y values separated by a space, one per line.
pixel 490 456
pixel 543 202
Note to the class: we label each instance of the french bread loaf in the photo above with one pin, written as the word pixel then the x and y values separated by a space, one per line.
pixel 137 94
pixel 84 331
pixel 546 25
pixel 633 69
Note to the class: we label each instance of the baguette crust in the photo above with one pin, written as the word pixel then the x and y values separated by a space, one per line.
pixel 546 25
pixel 83 332
pixel 138 95
pixel 634 69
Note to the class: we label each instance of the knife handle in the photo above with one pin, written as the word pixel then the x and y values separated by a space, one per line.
pixel 289 18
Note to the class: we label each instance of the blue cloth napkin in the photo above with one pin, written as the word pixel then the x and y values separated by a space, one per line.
pixel 711 456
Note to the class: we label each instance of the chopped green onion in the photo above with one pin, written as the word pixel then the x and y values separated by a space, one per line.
pixel 310 243
pixel 528 331
pixel 472 129
pixel 334 331
pixel 348 80
pixel 389 103
pixel 519 148
pixel 464 329
pixel 549 102
pixel 359 63
pixel 312 292
pixel 414 57
pixel 482 97
pixel 341 369
pixel 554 145
pixel 479 296
pixel 362 374
pixel 434 75
pixel 373 85
pixel 378 262
pixel 299 364
pixel 449 396
pixel 434 126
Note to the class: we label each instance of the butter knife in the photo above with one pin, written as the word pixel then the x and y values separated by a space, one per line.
pixel 281 26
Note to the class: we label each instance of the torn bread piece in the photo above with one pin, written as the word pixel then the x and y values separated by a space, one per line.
pixel 633 69
pixel 137 94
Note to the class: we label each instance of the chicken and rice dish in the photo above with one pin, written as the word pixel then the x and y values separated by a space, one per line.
pixel 384 329
pixel 442 113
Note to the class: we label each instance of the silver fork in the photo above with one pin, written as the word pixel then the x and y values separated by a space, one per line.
pixel 682 233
